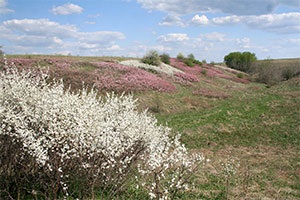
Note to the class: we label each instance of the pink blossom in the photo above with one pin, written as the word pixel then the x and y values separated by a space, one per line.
pixel 117 77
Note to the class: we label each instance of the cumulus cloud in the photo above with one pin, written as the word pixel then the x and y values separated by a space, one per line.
pixel 3 7
pixel 172 20
pixel 279 23
pixel 173 37
pixel 67 9
pixel 214 36
pixel 100 36
pixel 40 27
pixel 235 7
pixel 243 43
pixel 200 20
pixel 48 34
pixel 227 20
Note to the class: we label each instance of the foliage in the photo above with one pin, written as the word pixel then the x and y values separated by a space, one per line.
pixel 189 62
pixel 165 58
pixel 1 51
pixel 55 143
pixel 272 72
pixel 191 56
pixel 180 57
pixel 240 61
pixel 152 58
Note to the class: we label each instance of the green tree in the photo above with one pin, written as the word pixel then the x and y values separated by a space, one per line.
pixel 165 58
pixel 240 61
pixel 152 58
pixel 180 56
pixel 1 51
pixel 191 56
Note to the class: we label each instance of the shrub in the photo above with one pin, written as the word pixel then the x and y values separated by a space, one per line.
pixel 189 62
pixel 240 61
pixel 152 58
pixel 288 74
pixel 271 72
pixel 240 75
pixel 55 143
pixel 191 57
pixel 165 58
pixel 180 57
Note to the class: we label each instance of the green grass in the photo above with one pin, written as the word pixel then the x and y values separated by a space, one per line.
pixel 259 126
pixel 250 117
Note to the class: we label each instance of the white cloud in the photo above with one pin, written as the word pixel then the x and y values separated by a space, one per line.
pixel 173 37
pixel 244 43
pixel 67 9
pixel 101 37
pixel 200 20
pixel 42 33
pixel 236 7
pixel 172 20
pixel 214 36
pixel 114 47
pixel 40 27
pixel 278 23
pixel 227 20
pixel 3 7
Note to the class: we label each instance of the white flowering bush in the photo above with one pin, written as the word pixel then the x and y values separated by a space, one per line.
pixel 55 144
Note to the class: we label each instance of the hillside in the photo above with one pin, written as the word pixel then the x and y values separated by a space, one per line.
pixel 218 111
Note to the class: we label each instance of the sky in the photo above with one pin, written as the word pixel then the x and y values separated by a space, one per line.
pixel 209 29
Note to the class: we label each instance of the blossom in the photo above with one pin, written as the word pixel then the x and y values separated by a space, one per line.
pixel 59 135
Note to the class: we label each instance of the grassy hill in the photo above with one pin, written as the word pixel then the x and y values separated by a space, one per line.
pixel 219 113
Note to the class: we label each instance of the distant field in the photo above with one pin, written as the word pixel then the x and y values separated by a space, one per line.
pixel 220 114
pixel 272 71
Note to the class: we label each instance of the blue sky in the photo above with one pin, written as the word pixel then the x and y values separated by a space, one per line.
pixel 210 29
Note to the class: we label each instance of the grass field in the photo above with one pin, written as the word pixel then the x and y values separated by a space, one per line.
pixel 256 126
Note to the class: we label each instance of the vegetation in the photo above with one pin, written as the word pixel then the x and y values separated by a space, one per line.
pixel 165 58
pixel 152 58
pixel 180 56
pixel 248 133
pixel 240 61
pixel 272 72
pixel 55 144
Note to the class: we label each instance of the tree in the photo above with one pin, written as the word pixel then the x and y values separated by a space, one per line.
pixel 240 61
pixel 180 56
pixel 1 51
pixel 152 58
pixel 191 56
pixel 165 58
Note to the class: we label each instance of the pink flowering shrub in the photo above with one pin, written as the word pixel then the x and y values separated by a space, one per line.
pixel 54 144
pixel 186 77
pixel 207 70
pixel 195 70
pixel 213 72
pixel 117 77
pixel 106 76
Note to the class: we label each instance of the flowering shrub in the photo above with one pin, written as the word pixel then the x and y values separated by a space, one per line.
pixel 183 67
pixel 55 143
pixel 117 77
pixel 163 68
pixel 186 78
